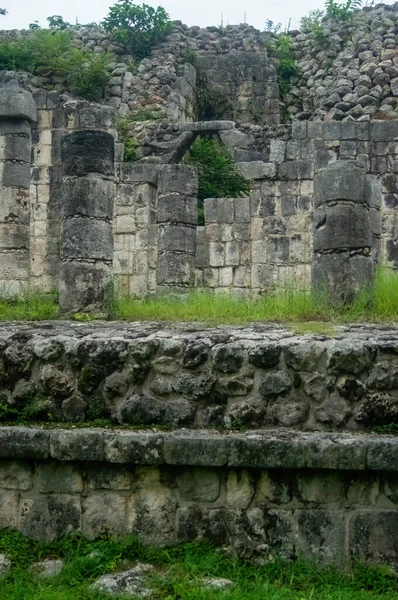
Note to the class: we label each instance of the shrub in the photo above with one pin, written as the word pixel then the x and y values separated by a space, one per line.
pixel 15 54
pixel 312 23
pixel 341 11
pixel 130 150
pixel 217 172
pixel 88 74
pixel 50 51
pixel 139 27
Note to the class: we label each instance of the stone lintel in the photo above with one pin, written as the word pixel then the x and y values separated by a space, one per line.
pixel 265 449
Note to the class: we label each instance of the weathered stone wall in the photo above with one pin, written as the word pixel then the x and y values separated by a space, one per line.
pixel 263 376
pixel 331 499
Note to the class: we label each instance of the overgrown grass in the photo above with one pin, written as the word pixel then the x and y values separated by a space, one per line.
pixel 288 305
pixel 29 307
pixel 178 573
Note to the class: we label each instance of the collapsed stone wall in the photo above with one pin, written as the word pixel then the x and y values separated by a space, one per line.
pixel 150 375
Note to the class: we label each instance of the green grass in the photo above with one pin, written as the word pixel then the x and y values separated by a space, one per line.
pixel 178 573
pixel 288 305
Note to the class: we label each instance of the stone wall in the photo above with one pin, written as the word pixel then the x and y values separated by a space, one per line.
pixel 148 375
pixel 329 499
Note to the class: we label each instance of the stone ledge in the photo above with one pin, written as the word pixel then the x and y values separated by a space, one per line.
pixel 267 449
pixel 200 126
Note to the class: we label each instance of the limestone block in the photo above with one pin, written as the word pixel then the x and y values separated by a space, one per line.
pixel 58 478
pixel 50 517
pixel 177 208
pixel 9 502
pixel 342 274
pixel 216 254
pixel 15 147
pixel 16 174
pixel 233 138
pixel 89 197
pixel 199 485
pixel 88 151
pixel 178 179
pixel 15 475
pixel 208 126
pixel 257 170
pixel 139 173
pixel 104 514
pixel 86 238
pixel 341 226
pixel 342 180
pixel 176 238
pixel 83 285
pixel 242 210
pixel 16 103
pixel 226 276
pixel 175 269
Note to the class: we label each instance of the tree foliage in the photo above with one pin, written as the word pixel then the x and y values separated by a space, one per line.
pixel 139 27
pixel 217 172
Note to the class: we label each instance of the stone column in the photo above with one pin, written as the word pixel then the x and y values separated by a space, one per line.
pixel 342 263
pixel 17 111
pixel 88 190
pixel 177 219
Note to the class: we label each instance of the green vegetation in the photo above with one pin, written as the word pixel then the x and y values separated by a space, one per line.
pixel 217 172
pixel 178 573
pixel 49 53
pixel 88 74
pixel 29 307
pixel 130 150
pixel 139 27
pixel 289 305
pixel 286 66
pixel 211 104
pixel 312 23
pixel 341 12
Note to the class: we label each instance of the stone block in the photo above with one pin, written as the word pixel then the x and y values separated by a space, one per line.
pixel 176 238
pixel 15 147
pixel 83 285
pixel 210 208
pixel 341 226
pixel 23 442
pixel 384 131
pixel 341 274
pixel 177 208
pixel 299 130
pixel 88 197
pixel 57 478
pixel 50 517
pixel 16 475
pixel 178 179
pixel 277 151
pixel 86 238
pixel 104 513
pixel 139 173
pixel 16 103
pixel 175 269
pixel 234 138
pixel 16 174
pixel 242 210
pixel 208 126
pixel 287 170
pixel 199 485
pixel 88 151
pixel 257 170
pixel 341 180
pixel 194 448
pixel 81 445
pixel 216 254
pixel 331 131
pixel 372 537
pixel 134 448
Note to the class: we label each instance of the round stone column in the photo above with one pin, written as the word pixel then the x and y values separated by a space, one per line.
pixel 17 112
pixel 88 191
pixel 342 264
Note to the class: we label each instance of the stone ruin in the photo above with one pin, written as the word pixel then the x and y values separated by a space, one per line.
pixel 303 479
pixel 322 204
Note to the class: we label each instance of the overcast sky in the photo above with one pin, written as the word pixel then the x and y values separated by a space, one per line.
pixel 191 12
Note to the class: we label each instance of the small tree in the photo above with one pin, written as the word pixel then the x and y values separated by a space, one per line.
pixel 3 11
pixel 139 27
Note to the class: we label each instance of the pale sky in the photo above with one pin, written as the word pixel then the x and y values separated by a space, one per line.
pixel 191 12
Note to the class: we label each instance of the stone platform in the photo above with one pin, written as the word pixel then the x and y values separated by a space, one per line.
pixel 254 437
